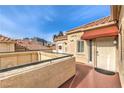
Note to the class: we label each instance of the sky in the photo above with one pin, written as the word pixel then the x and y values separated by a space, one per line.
pixel 45 21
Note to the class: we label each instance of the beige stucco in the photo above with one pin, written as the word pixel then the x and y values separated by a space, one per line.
pixel 64 46
pixel 7 47
pixel 19 58
pixel 72 39
pixel 75 34
pixel 72 47
pixel 121 44
pixel 44 75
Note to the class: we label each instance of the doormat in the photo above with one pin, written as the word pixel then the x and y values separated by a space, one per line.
pixel 106 72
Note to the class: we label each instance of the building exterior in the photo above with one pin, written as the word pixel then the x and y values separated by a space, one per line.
pixel 6 44
pixel 100 43
pixel 61 43
pixel 77 46
pixel 118 15
pixel 30 45
pixel 9 45
pixel 25 65
pixel 94 43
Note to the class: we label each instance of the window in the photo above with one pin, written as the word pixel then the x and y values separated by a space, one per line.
pixel 60 47
pixel 80 46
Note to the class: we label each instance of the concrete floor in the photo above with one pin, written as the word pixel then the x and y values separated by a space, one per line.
pixel 87 77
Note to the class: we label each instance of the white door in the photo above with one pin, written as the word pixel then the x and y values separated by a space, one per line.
pixel 106 54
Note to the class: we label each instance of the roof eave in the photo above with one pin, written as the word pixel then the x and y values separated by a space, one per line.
pixel 93 27
pixel 101 25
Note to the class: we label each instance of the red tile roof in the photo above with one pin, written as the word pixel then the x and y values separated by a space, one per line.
pixel 92 24
pixel 59 38
pixel 31 45
pixel 97 22
pixel 6 39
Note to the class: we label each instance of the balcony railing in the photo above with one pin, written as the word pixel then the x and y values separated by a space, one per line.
pixel 14 60
pixel 35 69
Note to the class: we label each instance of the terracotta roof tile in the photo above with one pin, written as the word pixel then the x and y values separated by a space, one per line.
pixel 59 38
pixel 92 24
pixel 6 39
pixel 98 22
pixel 31 45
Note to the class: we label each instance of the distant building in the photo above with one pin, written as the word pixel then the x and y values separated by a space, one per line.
pixel 6 44
pixel 30 45
pixel 10 45
pixel 60 43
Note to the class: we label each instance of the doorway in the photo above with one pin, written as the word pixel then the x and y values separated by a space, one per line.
pixel 106 53
pixel 90 51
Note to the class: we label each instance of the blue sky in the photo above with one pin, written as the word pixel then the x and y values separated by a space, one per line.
pixel 45 21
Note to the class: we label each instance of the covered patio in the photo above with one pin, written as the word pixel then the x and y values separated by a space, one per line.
pixel 87 77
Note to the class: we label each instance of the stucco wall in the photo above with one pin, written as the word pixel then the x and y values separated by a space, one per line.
pixel 64 46
pixel 7 47
pixel 19 58
pixel 72 47
pixel 121 46
pixel 48 75
pixel 13 59
pixel 47 55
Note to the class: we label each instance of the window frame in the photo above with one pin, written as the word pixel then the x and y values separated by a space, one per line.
pixel 79 52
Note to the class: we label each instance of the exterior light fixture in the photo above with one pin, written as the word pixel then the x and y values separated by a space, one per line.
pixel 115 42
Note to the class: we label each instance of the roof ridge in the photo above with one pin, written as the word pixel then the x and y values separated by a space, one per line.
pixel 5 38
pixel 95 21
pixel 99 19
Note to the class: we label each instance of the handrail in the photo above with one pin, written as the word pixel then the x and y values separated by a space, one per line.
pixel 34 51
pixel 33 63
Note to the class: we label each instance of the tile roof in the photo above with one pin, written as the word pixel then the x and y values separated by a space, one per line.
pixel 31 45
pixel 98 22
pixel 92 24
pixel 6 39
pixel 59 38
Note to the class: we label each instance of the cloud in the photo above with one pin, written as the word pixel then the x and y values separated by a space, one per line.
pixel 45 21
pixel 24 21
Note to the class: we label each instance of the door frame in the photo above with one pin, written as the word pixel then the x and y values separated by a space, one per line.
pixel 90 51
pixel 95 64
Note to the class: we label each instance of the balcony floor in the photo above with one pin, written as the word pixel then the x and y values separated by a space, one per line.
pixel 87 77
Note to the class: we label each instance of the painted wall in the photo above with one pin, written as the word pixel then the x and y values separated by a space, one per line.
pixel 7 47
pixel 44 75
pixel 18 58
pixel 121 45
pixel 63 46
pixel 72 47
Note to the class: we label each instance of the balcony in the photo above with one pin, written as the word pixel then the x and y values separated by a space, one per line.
pixel 35 69
pixel 38 69
pixel 87 77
